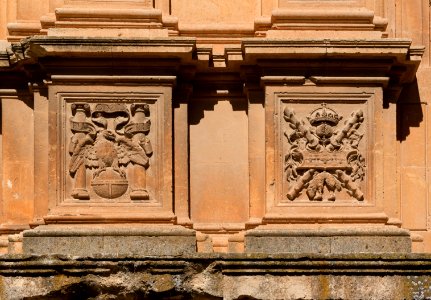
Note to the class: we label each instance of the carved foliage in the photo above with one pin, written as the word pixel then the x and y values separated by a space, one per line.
pixel 323 157
pixel 108 140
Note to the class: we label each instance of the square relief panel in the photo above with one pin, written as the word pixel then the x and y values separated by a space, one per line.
pixel 110 150
pixel 324 151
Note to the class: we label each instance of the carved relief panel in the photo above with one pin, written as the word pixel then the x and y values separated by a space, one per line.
pixel 324 153
pixel 111 152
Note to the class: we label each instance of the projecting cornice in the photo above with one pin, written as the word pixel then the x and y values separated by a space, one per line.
pixel 181 48
pixel 325 48
pixel 357 60
pixel 317 22
pixel 394 61
pixel 37 47
pixel 37 58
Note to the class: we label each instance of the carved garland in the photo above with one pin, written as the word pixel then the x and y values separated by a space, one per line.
pixel 106 142
pixel 323 155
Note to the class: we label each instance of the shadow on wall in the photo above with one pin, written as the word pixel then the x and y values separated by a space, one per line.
pixel 199 106
pixel 409 111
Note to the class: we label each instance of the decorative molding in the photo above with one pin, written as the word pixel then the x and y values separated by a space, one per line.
pixel 296 80
pixel 97 218
pixel 333 144
pixel 380 81
pixel 175 47
pixel 91 79
pixel 315 21
pixel 393 62
pixel 302 218
pixel 172 50
pixel 326 48
pixel 19 30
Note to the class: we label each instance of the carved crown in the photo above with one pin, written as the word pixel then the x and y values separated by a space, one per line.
pixel 324 114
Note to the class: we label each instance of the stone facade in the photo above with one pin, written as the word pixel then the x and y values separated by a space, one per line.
pixel 165 128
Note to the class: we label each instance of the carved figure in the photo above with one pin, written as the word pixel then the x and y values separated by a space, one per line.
pixel 80 148
pixel 322 156
pixel 136 149
pixel 107 144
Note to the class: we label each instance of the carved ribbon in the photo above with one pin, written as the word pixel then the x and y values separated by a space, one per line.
pixel 84 127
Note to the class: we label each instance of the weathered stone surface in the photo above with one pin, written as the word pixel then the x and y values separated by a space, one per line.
pixel 245 276
pixel 371 240
pixel 131 240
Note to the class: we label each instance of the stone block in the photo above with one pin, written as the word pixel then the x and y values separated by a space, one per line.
pixel 326 241
pixel 87 241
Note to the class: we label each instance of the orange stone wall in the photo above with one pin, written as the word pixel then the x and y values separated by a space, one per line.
pixel 223 145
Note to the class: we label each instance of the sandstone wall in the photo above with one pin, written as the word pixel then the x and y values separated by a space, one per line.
pixel 218 158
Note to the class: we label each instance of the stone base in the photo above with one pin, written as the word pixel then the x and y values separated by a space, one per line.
pixel 217 276
pixel 326 241
pixel 122 241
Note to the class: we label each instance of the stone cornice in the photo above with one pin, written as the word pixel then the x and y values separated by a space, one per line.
pixel 31 49
pixel 42 46
pixel 390 63
pixel 325 48
pixel 89 79
pixel 320 22
pixel 227 264
pixel 386 62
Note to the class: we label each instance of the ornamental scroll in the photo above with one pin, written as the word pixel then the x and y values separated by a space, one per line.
pixel 324 156
pixel 110 141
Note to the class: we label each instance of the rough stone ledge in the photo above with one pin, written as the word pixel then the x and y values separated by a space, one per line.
pixel 217 276
pixel 383 231
pixel 364 263
pixel 54 231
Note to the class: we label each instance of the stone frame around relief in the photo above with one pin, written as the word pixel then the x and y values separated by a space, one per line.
pixel 277 204
pixel 158 204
